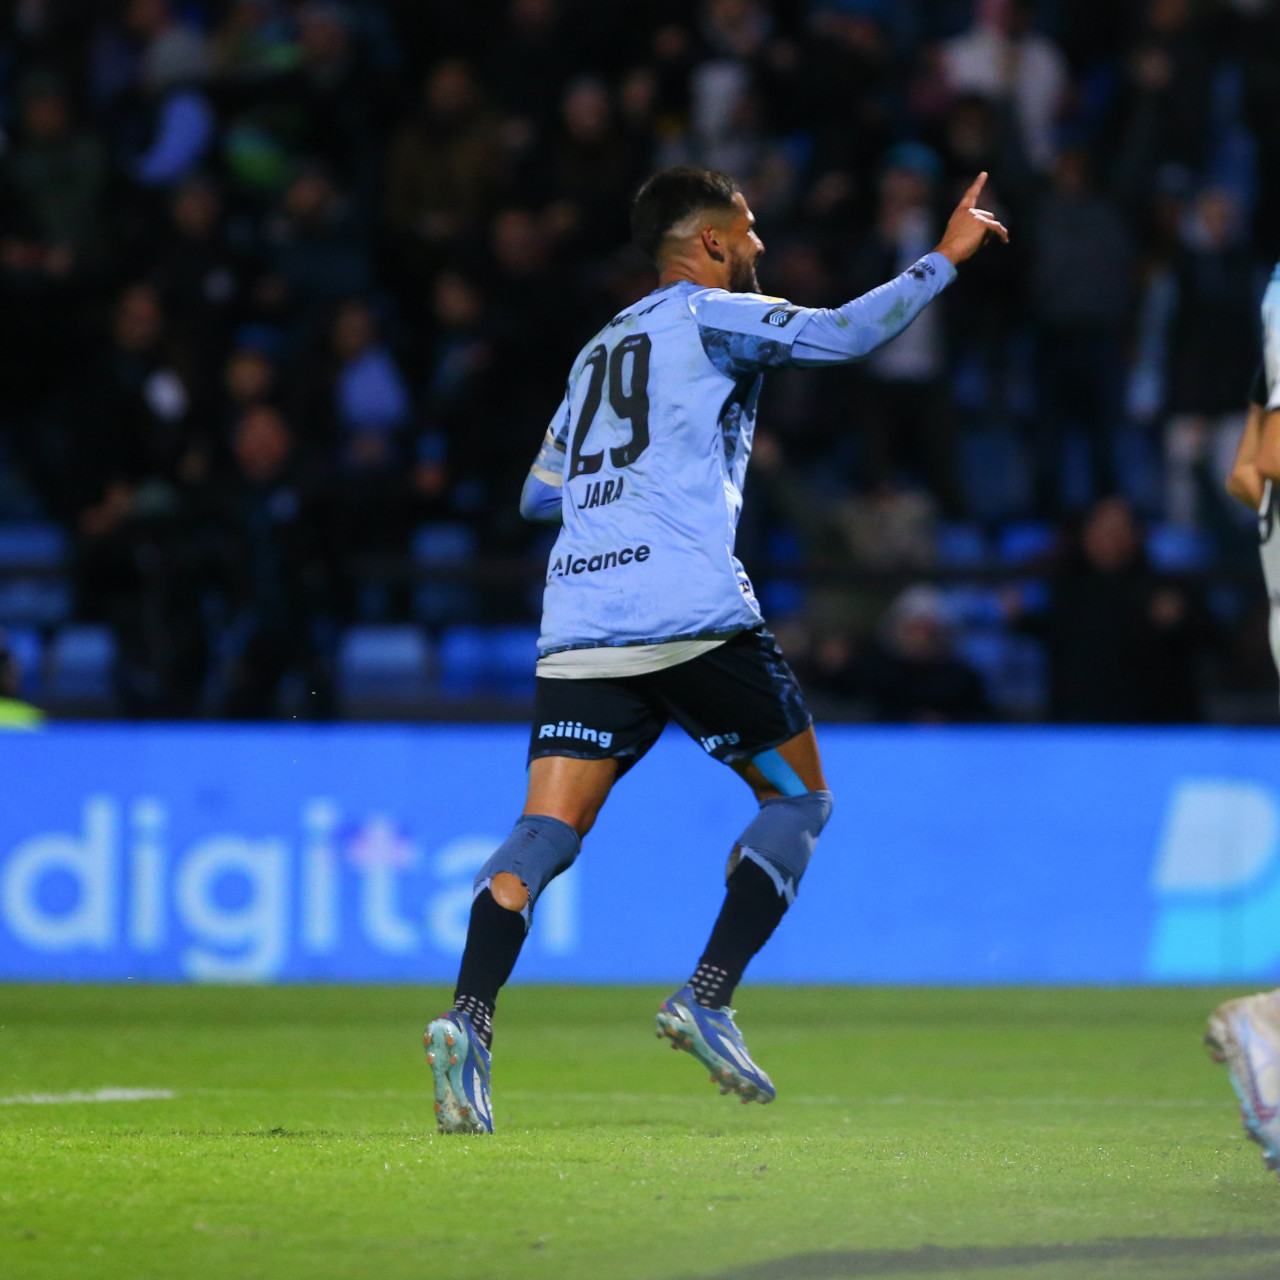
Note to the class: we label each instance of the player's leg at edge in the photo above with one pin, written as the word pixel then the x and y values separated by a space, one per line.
pixel 763 874
pixel 1244 1035
pixel 564 796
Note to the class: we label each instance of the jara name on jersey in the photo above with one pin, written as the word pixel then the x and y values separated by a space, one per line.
pixel 601 493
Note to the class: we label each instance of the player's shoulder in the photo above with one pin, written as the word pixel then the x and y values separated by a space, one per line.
pixel 750 313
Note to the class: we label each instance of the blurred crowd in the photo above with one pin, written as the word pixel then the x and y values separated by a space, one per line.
pixel 286 281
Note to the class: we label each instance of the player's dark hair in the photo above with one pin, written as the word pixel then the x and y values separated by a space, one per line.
pixel 672 195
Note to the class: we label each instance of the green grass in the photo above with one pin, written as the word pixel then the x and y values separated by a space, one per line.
pixel 1050 1134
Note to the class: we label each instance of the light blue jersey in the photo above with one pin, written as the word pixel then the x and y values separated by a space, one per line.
pixel 645 459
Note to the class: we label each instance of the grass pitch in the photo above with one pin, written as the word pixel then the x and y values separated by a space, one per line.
pixel 1048 1134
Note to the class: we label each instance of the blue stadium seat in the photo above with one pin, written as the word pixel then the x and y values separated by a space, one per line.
pixel 1012 667
pixel 782 597
pixel 28 652
pixel 384 663
pixel 34 602
pixel 513 656
pixel 961 545
pixel 1174 549
pixel 974 606
pixel 33 545
pixel 488 660
pixel 81 662
pixel 460 659
pixel 445 543
pixel 1024 541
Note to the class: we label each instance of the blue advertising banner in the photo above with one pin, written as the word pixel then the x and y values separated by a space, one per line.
pixel 234 854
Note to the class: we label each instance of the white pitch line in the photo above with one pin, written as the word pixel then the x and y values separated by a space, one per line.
pixel 95 1095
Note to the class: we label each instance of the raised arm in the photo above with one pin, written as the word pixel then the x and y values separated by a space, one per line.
pixel 855 330
pixel 745 333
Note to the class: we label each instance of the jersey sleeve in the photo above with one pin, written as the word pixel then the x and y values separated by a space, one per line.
pixel 744 333
pixel 542 494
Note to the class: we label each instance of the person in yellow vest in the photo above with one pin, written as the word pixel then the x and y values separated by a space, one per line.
pixel 14 713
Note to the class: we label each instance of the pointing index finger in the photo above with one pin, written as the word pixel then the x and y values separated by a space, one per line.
pixel 975 190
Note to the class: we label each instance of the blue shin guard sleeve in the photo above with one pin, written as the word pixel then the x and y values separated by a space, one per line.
pixel 781 837
pixel 537 850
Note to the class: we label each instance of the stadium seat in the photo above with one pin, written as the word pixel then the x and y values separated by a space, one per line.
pixel 974 606
pixel 961 545
pixel 1012 667
pixel 28 652
pixel 1171 548
pixel 488 660
pixel 34 545
pixel 1024 541
pixel 383 664
pixel 34 602
pixel 782 597
pixel 513 656
pixel 81 663
pixel 446 543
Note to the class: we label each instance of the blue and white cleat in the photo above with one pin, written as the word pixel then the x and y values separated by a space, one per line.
pixel 714 1039
pixel 1245 1035
pixel 460 1069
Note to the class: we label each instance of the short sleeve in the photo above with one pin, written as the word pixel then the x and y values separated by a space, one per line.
pixel 746 333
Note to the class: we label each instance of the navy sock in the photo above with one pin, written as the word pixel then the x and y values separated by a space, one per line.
pixel 752 910
pixel 494 938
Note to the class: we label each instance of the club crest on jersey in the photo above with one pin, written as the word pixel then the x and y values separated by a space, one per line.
pixel 575 729
pixel 601 493
pixel 780 316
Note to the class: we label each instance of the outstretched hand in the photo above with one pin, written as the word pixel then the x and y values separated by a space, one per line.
pixel 969 227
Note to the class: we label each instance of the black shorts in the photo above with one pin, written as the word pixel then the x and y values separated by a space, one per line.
pixel 736 700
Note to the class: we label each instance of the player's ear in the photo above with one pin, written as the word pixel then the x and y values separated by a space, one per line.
pixel 711 242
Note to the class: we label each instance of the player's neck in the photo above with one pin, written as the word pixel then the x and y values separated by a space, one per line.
pixel 706 275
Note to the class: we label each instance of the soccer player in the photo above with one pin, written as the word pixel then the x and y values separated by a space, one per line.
pixel 1245 1034
pixel 648 615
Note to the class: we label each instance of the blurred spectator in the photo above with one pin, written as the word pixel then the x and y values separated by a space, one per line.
pixel 201 280
pixel 443 166
pixel 1213 349
pixel 131 421
pixel 909 671
pixel 904 409
pixel 56 180
pixel 315 253
pixel 174 61
pixel 1003 57
pixel 1123 646
pixel 1082 292
pixel 275 567
pixel 370 400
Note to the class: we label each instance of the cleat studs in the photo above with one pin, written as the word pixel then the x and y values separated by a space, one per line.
pixel 453 1060
pixel 431 1059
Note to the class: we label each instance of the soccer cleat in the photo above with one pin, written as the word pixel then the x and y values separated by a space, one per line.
pixel 714 1039
pixel 1245 1035
pixel 460 1069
